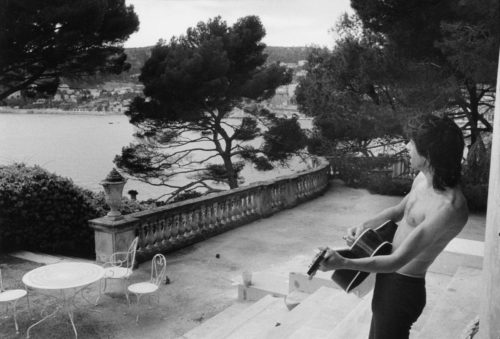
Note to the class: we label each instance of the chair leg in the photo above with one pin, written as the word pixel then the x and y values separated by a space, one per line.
pixel 138 301
pixel 28 302
pixel 125 288
pixel 99 295
pixel 15 316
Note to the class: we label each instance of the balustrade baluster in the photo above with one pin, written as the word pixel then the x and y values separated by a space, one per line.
pixel 148 238
pixel 156 238
pixel 212 217
pixel 175 229
pixel 216 216
pixel 204 219
pixel 233 209
pixel 183 226
pixel 195 222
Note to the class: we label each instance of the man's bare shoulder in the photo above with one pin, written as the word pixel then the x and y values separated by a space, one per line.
pixel 452 206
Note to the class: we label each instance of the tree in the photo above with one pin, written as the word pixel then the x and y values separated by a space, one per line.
pixel 42 41
pixel 363 90
pixel 462 38
pixel 191 86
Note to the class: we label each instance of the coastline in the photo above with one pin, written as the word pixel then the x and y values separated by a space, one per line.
pixel 10 110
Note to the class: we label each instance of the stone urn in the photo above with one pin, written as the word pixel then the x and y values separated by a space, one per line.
pixel 113 189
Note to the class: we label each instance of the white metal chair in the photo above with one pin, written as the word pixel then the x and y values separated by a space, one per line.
pixel 158 274
pixel 120 266
pixel 11 297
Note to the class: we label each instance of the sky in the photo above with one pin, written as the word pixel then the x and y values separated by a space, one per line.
pixel 287 22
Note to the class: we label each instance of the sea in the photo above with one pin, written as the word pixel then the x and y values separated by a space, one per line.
pixel 82 147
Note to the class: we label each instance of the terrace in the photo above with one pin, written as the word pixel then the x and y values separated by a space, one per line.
pixel 204 280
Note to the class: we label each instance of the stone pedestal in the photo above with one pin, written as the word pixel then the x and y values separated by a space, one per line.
pixel 112 235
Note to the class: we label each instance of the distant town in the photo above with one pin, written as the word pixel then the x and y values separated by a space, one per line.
pixel 112 95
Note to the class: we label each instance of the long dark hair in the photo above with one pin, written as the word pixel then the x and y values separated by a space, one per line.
pixel 441 142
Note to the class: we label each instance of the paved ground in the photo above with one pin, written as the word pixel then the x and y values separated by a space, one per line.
pixel 203 275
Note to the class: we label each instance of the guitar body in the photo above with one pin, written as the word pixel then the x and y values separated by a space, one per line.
pixel 370 243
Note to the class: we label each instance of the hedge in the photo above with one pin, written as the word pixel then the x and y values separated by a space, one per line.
pixel 44 212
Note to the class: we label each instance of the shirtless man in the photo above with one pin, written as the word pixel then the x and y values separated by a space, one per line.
pixel 431 215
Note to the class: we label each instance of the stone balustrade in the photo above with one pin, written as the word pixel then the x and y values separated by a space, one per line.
pixel 180 224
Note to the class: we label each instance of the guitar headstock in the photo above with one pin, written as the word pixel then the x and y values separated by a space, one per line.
pixel 313 267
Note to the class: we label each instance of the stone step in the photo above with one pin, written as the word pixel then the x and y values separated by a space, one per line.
pixel 326 305
pixel 255 328
pixel 356 325
pixel 264 283
pixel 262 310
pixel 298 281
pixel 216 321
pixel 457 307
pixel 435 285
pixel 459 252
pixel 361 315
pixel 294 298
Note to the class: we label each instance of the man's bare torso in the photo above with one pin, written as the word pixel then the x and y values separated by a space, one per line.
pixel 424 201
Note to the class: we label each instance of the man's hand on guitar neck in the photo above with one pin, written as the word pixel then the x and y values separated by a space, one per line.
pixel 332 261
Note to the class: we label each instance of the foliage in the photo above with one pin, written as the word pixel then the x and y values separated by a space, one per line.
pixel 460 38
pixel 363 90
pixel 386 185
pixel 191 86
pixel 128 206
pixel 475 176
pixel 186 196
pixel 477 196
pixel 43 212
pixel 354 170
pixel 43 41
pixel 476 169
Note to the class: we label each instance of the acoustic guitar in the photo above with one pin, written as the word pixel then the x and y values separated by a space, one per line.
pixel 371 242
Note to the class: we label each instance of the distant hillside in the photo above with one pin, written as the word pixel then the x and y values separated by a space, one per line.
pixel 138 56
pixel 286 54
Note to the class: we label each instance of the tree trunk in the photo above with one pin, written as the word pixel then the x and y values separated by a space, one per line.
pixel 232 176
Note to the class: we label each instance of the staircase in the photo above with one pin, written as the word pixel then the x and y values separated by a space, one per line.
pixel 321 310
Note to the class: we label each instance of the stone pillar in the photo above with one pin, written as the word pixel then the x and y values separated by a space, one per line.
pixel 489 317
pixel 264 200
pixel 112 236
pixel 291 192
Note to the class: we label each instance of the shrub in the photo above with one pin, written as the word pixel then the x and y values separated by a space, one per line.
pixel 354 170
pixel 385 185
pixel 477 196
pixel 41 211
pixel 128 205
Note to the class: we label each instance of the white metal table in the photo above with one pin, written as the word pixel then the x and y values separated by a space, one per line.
pixel 67 280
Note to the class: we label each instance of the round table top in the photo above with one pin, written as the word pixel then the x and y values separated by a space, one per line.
pixel 63 275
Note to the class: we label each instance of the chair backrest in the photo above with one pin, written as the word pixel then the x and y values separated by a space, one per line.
pixel 132 250
pixel 158 269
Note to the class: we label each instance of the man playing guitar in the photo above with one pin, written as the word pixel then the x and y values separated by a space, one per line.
pixel 431 215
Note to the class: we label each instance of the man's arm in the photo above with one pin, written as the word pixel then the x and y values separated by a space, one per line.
pixel 424 235
pixel 394 213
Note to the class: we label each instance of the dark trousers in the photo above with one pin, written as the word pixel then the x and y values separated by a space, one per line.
pixel 398 301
